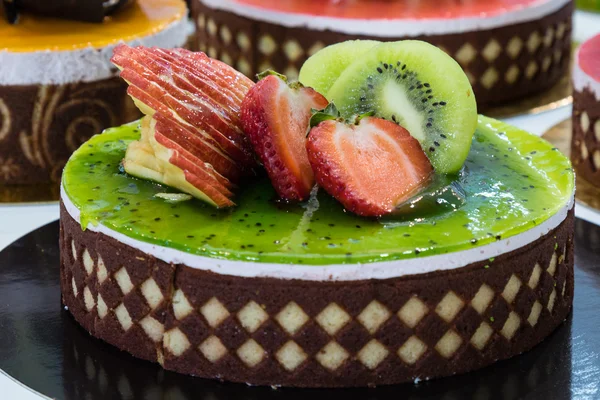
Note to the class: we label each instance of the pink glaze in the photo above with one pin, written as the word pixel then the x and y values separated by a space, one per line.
pixel 588 57
pixel 396 9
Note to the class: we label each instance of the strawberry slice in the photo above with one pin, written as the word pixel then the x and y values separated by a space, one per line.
pixel 370 167
pixel 275 116
pixel 185 136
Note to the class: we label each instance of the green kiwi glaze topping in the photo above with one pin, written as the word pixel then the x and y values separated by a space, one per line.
pixel 511 182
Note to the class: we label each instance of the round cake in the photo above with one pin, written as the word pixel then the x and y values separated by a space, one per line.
pixel 309 295
pixel 58 87
pixel 508 48
pixel 585 145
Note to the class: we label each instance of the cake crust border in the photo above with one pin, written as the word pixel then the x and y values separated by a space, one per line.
pixel 390 331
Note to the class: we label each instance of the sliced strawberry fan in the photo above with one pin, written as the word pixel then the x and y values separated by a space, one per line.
pixel 195 130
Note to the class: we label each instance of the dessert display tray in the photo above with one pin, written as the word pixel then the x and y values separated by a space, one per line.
pixel 44 348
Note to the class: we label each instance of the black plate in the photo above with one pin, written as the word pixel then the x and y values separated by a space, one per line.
pixel 43 347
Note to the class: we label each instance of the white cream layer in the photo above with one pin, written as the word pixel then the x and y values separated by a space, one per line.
pixel 391 27
pixel 347 272
pixel 81 65
pixel 581 80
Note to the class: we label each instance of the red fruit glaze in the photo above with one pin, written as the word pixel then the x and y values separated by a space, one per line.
pixel 383 9
pixel 276 117
pixel 588 57
pixel 371 167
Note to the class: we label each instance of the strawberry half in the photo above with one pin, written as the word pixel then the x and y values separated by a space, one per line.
pixel 275 117
pixel 370 167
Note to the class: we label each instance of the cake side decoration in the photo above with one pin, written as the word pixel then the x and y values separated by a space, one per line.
pixel 77 111
pixel 298 333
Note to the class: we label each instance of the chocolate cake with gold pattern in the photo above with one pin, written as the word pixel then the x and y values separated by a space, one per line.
pixel 57 85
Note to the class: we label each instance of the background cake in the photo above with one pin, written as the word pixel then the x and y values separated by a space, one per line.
pixel 58 87
pixel 585 146
pixel 508 48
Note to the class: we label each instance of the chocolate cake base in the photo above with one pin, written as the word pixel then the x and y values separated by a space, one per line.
pixel 266 331
pixel 585 142
pixel 41 125
pixel 503 64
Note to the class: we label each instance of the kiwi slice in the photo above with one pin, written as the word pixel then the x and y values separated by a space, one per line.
pixel 323 68
pixel 421 88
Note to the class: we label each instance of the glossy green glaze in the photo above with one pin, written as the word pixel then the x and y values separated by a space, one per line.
pixel 592 5
pixel 512 182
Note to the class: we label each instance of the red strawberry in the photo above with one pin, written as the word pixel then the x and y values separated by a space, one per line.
pixel 275 117
pixel 369 167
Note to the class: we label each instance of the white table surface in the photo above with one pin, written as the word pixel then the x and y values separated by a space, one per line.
pixel 16 221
